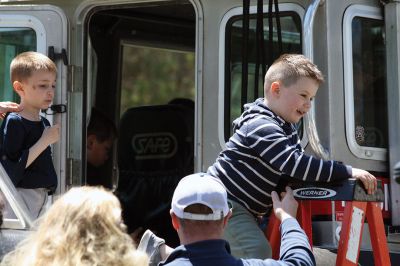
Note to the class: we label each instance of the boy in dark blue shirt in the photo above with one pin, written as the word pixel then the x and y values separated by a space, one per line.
pixel 26 136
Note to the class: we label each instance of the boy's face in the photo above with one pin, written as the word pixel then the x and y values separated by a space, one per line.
pixel 293 102
pixel 37 91
pixel 98 151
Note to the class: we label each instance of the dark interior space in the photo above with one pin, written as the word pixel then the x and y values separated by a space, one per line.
pixel 169 25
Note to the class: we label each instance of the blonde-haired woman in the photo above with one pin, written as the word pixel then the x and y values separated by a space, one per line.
pixel 83 227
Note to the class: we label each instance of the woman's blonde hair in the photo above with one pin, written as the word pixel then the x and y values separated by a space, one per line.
pixel 83 227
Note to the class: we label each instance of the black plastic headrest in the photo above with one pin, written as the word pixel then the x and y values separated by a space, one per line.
pixel 156 138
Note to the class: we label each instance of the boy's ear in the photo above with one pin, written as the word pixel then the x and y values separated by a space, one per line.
pixel 18 88
pixel 275 88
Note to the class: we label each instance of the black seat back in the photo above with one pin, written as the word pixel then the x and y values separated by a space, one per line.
pixel 156 138
pixel 155 150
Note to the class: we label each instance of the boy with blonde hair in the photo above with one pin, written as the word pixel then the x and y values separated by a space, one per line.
pixel 26 136
pixel 265 150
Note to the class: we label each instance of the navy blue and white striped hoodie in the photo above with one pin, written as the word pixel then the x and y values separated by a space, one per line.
pixel 264 149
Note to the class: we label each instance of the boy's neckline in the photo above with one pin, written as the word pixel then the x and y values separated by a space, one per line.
pixel 30 115
pixel 275 115
pixel 29 112
pixel 30 118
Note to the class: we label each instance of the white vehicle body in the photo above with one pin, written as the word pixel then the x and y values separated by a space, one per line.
pixel 95 34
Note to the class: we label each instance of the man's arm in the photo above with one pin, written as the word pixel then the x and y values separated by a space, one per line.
pixel 295 248
pixel 294 243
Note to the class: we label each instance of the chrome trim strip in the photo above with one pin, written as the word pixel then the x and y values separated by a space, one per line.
pixel 308 50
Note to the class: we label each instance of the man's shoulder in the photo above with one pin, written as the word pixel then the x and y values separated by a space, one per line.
pixel 259 262
pixel 178 257
pixel 178 262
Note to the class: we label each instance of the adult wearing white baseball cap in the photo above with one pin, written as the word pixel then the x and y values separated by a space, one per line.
pixel 200 212
pixel 200 189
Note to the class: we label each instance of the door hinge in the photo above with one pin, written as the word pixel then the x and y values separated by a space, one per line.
pixel 74 174
pixel 75 78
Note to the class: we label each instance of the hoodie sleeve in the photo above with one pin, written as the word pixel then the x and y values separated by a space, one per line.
pixel 14 157
pixel 283 152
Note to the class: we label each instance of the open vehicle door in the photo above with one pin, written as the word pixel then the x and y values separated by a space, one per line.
pixel 41 28
pixel 392 17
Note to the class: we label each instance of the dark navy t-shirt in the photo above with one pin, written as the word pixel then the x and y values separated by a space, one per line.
pixel 17 136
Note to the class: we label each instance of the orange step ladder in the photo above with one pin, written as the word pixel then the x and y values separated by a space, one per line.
pixel 359 206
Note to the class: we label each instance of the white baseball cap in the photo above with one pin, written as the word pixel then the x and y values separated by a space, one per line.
pixel 200 188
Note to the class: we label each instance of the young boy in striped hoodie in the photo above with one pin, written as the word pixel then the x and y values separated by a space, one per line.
pixel 265 150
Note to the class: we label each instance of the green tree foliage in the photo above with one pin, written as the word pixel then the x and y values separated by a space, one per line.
pixel 155 76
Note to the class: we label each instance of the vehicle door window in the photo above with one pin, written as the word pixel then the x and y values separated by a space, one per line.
pixel 12 42
pixel 291 43
pixel 369 68
pixel 365 82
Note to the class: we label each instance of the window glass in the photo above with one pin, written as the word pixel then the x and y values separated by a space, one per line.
pixel 369 82
pixel 291 43
pixel 12 42
pixel 152 76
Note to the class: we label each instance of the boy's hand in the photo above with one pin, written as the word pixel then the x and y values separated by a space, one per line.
pixel 287 208
pixel 368 180
pixel 51 134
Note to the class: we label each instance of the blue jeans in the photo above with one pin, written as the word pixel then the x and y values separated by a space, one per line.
pixel 245 236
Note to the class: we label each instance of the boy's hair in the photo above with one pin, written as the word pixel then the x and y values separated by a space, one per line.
pixel 101 126
pixel 24 64
pixel 288 68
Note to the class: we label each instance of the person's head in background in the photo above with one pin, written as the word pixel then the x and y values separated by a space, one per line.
pixel 290 85
pixel 189 103
pixel 199 208
pixel 101 133
pixel 83 227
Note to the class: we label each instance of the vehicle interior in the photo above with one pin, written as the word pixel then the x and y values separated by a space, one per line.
pixel 142 61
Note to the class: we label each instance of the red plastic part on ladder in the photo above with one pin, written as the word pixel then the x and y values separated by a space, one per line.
pixel 273 233
pixel 351 234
